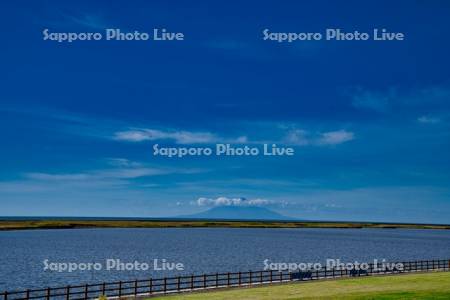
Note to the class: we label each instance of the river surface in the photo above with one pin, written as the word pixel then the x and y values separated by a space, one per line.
pixel 201 250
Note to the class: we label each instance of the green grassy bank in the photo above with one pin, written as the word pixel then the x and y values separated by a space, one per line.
pixel 66 224
pixel 412 286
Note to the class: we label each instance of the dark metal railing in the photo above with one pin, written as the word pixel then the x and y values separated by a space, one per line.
pixel 158 286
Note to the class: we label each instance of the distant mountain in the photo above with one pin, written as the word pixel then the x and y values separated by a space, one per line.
pixel 238 213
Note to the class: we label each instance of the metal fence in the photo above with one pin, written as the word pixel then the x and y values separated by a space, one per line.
pixel 167 285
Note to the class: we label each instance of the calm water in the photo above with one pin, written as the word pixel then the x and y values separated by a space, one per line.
pixel 200 250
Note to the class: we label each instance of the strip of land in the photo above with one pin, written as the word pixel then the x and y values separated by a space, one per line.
pixel 78 223
pixel 434 285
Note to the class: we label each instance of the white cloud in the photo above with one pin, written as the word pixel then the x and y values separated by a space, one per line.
pixel 123 169
pixel 132 136
pixel 58 177
pixel 121 173
pixel 394 98
pixel 336 137
pixel 300 137
pixel 428 120
pixel 179 137
pixel 225 201
pixel 379 102
pixel 122 162
pixel 131 172
pixel 287 134
pixel 297 137
pixel 113 178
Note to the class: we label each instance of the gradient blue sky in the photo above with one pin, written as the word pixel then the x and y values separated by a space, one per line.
pixel 369 120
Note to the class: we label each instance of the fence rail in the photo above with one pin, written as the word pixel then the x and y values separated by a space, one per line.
pixel 167 285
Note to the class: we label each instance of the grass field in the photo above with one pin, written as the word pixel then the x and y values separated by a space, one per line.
pixel 67 224
pixel 434 285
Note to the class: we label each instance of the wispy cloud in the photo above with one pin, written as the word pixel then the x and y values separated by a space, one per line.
pixel 122 173
pixel 179 137
pixel 385 101
pixel 88 20
pixel 301 137
pixel 225 201
pixel 118 130
pixel 335 137
pixel 297 137
pixel 428 120
pixel 121 170
pixel 122 162
pixel 74 18
pixel 371 100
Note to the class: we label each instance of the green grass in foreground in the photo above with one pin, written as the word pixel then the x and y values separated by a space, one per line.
pixel 69 224
pixel 412 286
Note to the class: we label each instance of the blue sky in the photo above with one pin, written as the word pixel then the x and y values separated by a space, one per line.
pixel 369 120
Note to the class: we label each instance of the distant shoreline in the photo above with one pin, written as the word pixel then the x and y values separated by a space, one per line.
pixel 29 223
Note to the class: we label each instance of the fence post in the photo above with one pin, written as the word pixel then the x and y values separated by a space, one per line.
pixel 135 287
pixel 104 289
pixel 192 282
pixel 261 277
pixel 165 285
pixel 178 283
pixel 204 281
pixel 68 292
pixel 281 276
pixel 228 279
pixel 5 295
pixel 120 289
pixel 250 277
pixel 239 278
pixel 86 292
pixel 271 275
pixel 150 285
pixel 27 294
pixel 217 280
pixel 48 294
